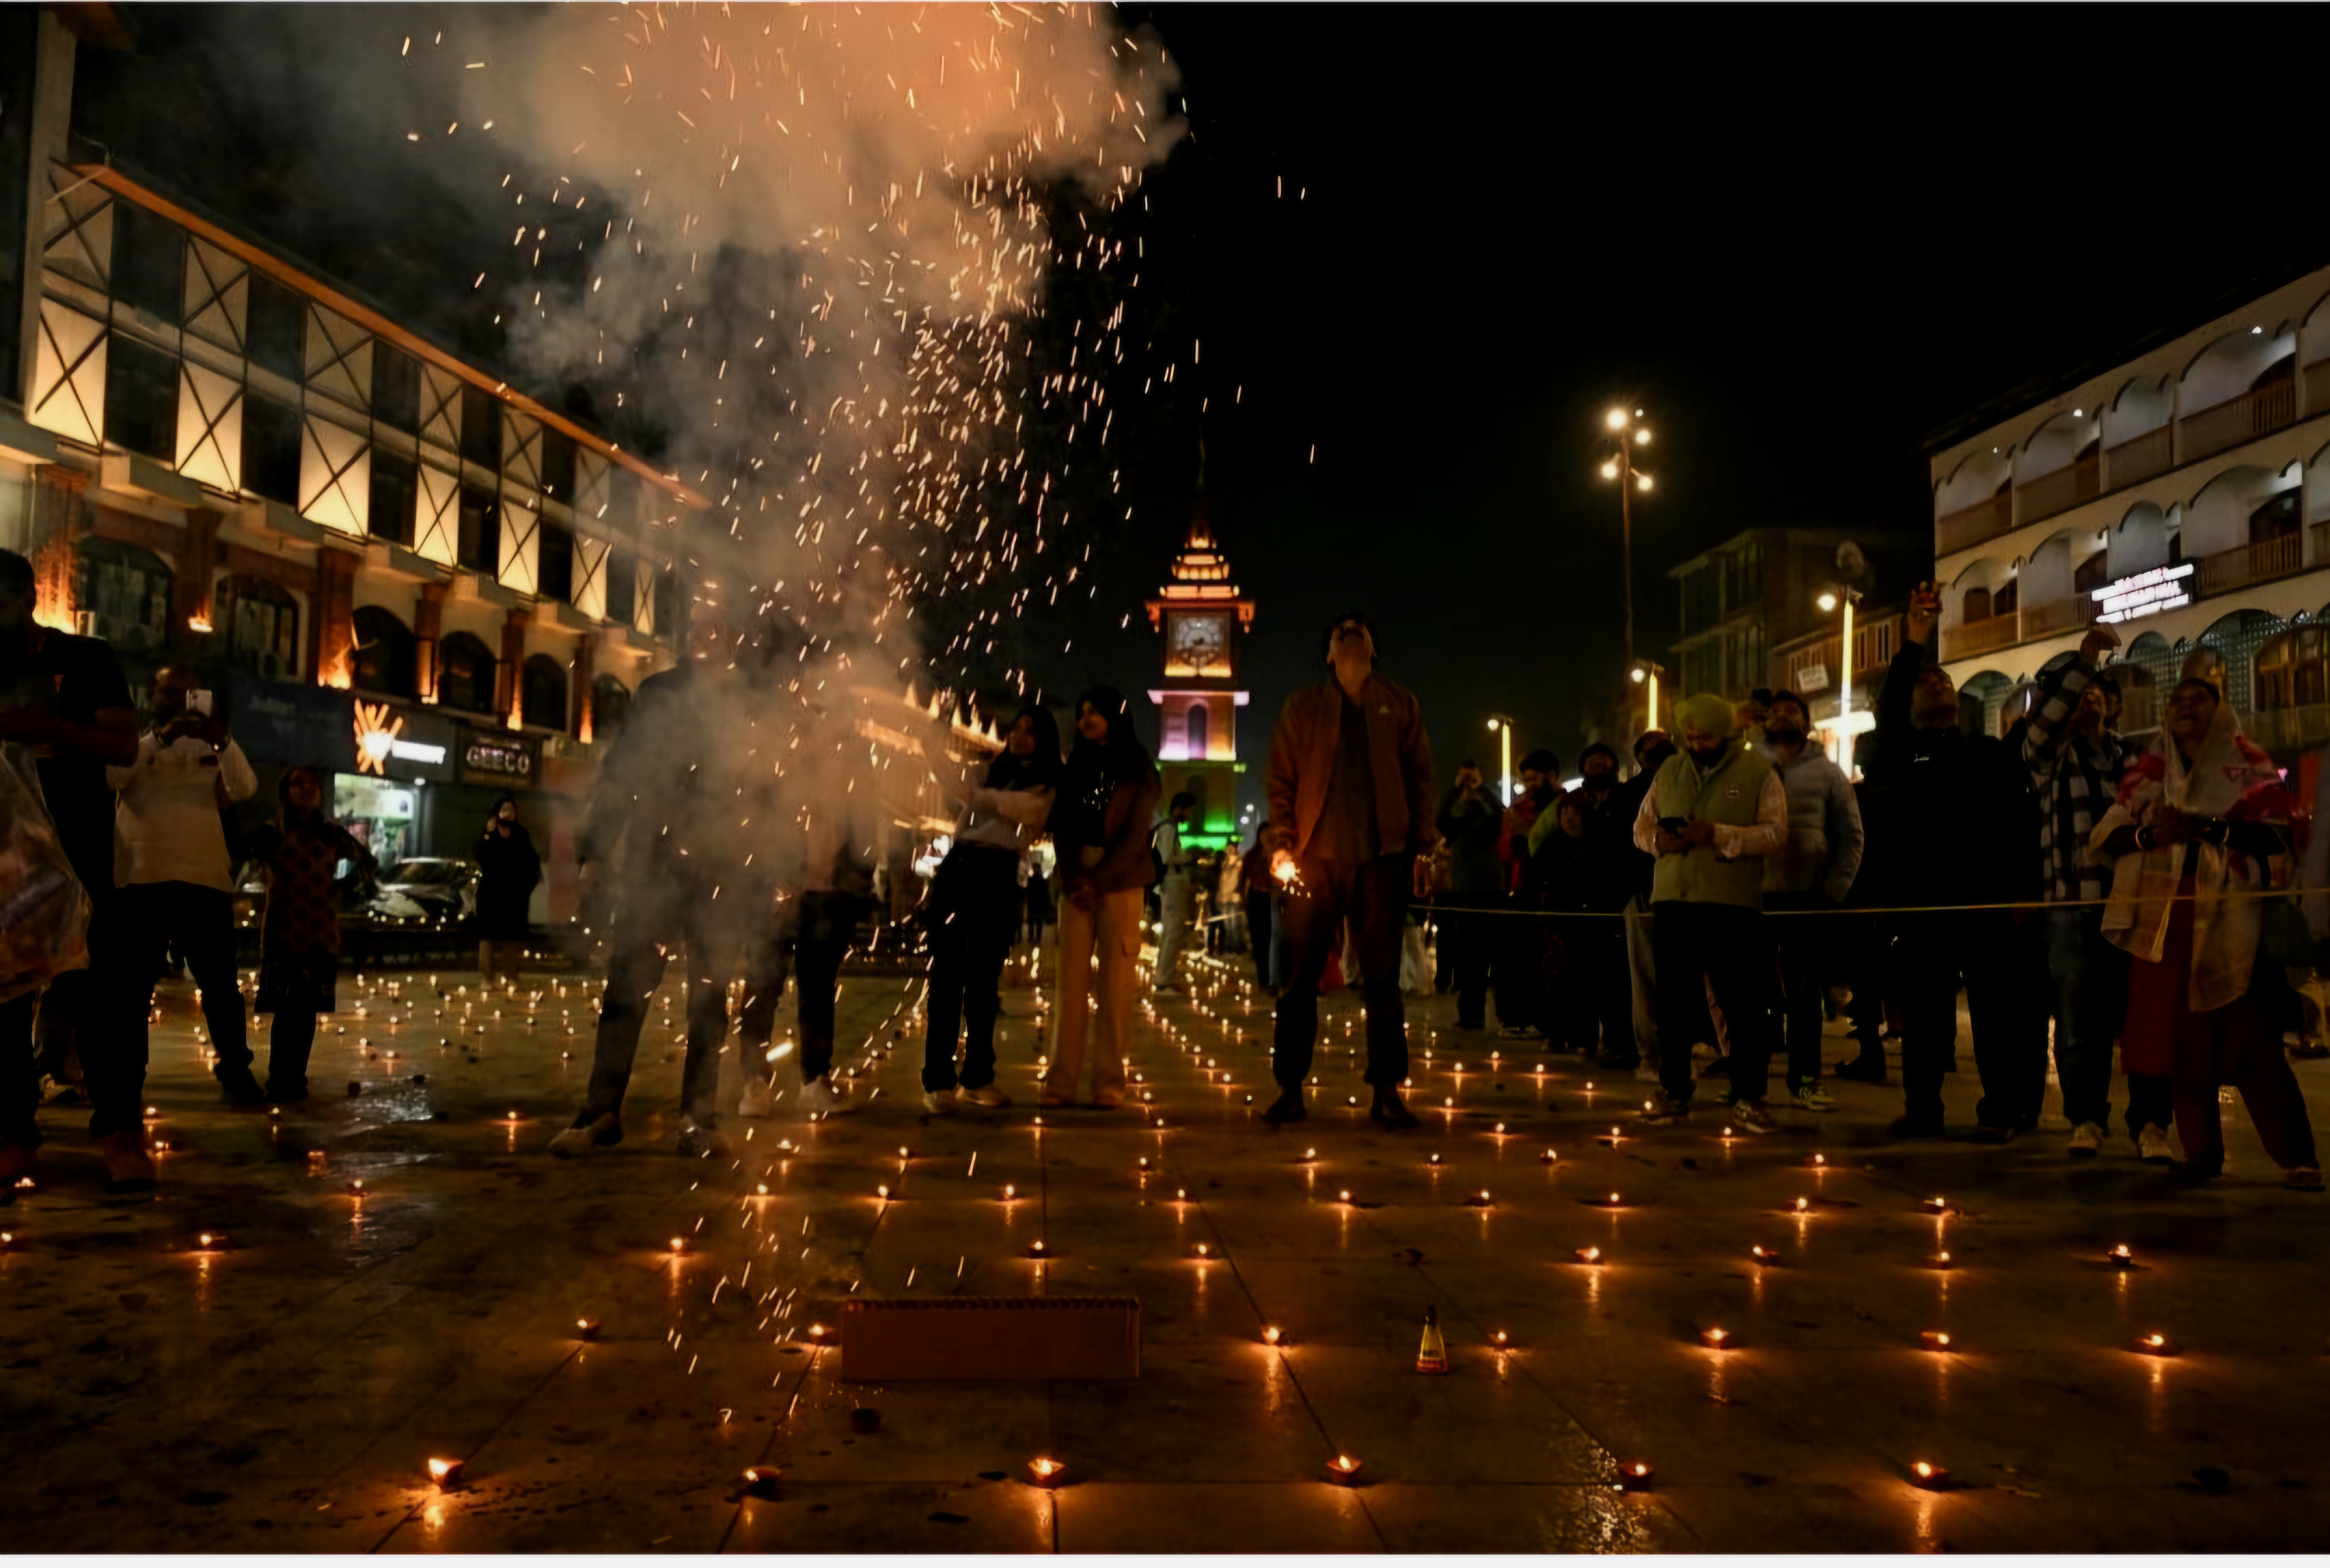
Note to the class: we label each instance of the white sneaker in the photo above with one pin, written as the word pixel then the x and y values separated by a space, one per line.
pixel 821 1098
pixel 986 1095
pixel 2153 1147
pixel 937 1101
pixel 696 1142
pixel 2086 1140
pixel 758 1100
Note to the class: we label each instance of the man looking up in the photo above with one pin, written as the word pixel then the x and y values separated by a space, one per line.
pixel 1349 787
pixel 177 876
pixel 1713 813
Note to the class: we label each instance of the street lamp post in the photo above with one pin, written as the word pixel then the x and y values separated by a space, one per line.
pixel 1647 672
pixel 1502 727
pixel 1848 598
pixel 1621 467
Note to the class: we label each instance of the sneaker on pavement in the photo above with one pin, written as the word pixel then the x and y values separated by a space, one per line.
pixel 2303 1178
pixel 1520 1032
pixel 696 1141
pixel 759 1098
pixel 586 1136
pixel 1665 1111
pixel 1750 1116
pixel 2086 1140
pixel 937 1101
pixel 1813 1097
pixel 986 1096
pixel 2153 1147
pixel 821 1098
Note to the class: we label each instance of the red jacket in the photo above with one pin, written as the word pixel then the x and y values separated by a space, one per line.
pixel 1303 765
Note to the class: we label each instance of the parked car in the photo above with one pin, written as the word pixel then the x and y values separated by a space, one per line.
pixel 432 891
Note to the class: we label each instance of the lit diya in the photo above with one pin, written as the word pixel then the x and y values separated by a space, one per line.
pixel 1636 1475
pixel 1930 1476
pixel 1343 1470
pixel 1933 1339
pixel 446 1473
pixel 1047 1473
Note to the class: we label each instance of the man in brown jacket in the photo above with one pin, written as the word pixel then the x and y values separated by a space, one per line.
pixel 1351 832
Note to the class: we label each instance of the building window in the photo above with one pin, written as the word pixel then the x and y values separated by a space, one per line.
pixel 128 590
pixel 2003 601
pixel 395 496
pixel 465 673
pixel 2277 519
pixel 1194 727
pixel 610 705
pixel 271 448
pixel 277 316
pixel 481 428
pixel 382 656
pixel 480 546
pixel 558 464
pixel 623 585
pixel 395 387
pixel 2293 670
pixel 542 693
pixel 555 563
pixel 149 261
pixel 666 599
pixel 2090 574
pixel 141 399
pixel 259 623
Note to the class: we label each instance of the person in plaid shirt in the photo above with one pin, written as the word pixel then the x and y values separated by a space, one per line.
pixel 2075 760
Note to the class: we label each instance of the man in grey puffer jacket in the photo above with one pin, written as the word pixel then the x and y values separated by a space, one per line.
pixel 1812 872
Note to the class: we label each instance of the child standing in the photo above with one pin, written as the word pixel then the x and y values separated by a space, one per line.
pixel 300 934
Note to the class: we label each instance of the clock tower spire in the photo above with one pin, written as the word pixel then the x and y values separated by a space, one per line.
pixel 1203 618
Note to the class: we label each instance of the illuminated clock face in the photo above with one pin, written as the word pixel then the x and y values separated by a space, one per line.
pixel 1201 641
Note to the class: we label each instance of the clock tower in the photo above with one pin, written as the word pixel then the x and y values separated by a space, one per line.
pixel 1202 618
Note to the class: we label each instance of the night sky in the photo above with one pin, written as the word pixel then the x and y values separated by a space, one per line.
pixel 1435 243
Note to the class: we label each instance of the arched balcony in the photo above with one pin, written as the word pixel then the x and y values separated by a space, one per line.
pixel 1978 612
pixel 2245 526
pixel 2057 592
pixel 2242 386
pixel 1976 503
pixel 2139 433
pixel 2060 466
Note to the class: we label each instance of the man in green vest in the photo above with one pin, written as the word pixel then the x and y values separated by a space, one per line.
pixel 1712 814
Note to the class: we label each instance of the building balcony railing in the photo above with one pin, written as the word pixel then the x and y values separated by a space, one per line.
pixel 2141 457
pixel 2236 420
pixel 2318 387
pixel 1984 520
pixel 2230 569
pixel 2287 729
pixel 1977 636
pixel 2321 532
pixel 2056 615
pixel 2058 492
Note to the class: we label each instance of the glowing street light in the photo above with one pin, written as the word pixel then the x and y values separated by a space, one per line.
pixel 1620 466
pixel 1502 727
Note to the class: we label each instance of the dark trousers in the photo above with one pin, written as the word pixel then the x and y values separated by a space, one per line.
pixel 290 1039
pixel 139 923
pixel 1517 941
pixel 1374 898
pixel 41 1029
pixel 1723 949
pixel 1468 936
pixel 807 942
pixel 1258 936
pixel 1803 940
pixel 2086 987
pixel 972 900
pixel 670 916
pixel 1596 971
pixel 1860 944
pixel 1932 954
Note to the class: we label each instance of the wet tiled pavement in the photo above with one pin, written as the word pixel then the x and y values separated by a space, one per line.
pixel 285 1391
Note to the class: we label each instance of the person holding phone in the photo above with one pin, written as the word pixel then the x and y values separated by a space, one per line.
pixel 1711 816
pixel 174 874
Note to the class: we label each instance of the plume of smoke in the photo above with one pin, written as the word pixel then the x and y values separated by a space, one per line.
pixel 806 245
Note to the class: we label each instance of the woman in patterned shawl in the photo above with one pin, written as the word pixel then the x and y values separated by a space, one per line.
pixel 2202 819
pixel 300 934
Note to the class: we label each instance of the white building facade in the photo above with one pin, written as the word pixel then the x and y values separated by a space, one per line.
pixel 2182 497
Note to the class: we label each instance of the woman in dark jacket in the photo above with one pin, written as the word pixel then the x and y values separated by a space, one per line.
pixel 975 910
pixel 1100 828
pixel 508 872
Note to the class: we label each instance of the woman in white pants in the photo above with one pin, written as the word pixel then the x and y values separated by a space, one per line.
pixel 1100 828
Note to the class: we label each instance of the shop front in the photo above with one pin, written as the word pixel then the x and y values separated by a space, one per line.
pixel 404 762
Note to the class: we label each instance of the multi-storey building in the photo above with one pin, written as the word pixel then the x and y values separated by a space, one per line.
pixel 385 560
pixel 2181 496
pixel 1203 617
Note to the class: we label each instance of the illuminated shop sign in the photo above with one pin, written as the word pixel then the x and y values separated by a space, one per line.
pixel 2145 593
